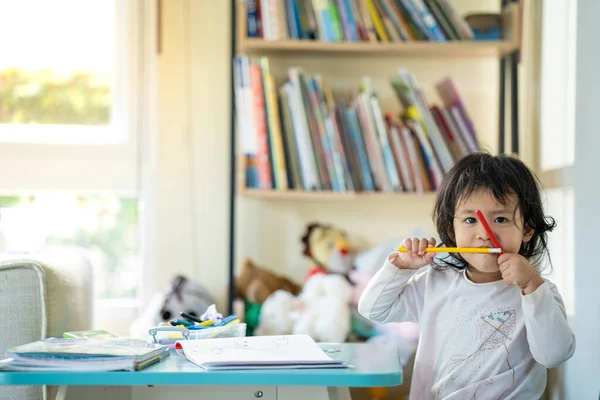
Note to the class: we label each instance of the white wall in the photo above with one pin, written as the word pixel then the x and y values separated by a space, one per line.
pixel 193 160
pixel 582 379
pixel 194 150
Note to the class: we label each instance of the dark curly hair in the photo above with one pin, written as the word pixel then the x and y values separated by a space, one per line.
pixel 503 176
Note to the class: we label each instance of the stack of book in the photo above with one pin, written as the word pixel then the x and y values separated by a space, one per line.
pixel 299 136
pixel 356 20
pixel 83 354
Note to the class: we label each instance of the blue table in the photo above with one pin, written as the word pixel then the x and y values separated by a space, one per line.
pixel 374 365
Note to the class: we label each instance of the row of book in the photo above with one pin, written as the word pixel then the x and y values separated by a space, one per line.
pixel 356 20
pixel 300 136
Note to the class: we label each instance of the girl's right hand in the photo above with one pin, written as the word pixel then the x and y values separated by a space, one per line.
pixel 415 257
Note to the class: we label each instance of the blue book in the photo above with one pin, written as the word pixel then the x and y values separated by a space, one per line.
pixel 252 20
pixel 291 10
pixel 359 149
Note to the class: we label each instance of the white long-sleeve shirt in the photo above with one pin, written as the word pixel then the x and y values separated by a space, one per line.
pixel 477 341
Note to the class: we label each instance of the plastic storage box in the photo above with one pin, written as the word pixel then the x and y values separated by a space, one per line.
pixel 169 335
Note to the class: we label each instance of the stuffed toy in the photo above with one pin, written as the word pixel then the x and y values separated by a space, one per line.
pixel 328 248
pixel 275 316
pixel 255 284
pixel 323 311
pixel 182 294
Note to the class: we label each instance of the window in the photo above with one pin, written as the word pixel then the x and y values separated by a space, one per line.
pixel 71 75
pixel 557 97
pixel 557 137
pixel 561 244
pixel 105 225
pixel 68 80
pixel 58 77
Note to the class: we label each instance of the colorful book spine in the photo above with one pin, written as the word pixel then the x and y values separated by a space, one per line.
pixel 377 22
pixel 293 19
pixel 315 135
pixel 290 146
pixel 428 21
pixel 310 177
pixel 263 160
pixel 324 133
pixel 386 150
pixel 411 148
pixel 343 156
pixel 359 149
pixel 275 137
pixel 401 155
pixel 348 21
pixel 433 167
pixel 355 20
pixel 397 19
pixel 372 144
pixel 252 19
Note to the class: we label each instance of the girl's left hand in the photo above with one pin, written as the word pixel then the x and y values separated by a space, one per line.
pixel 517 271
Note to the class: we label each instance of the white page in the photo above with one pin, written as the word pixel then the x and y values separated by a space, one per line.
pixel 255 350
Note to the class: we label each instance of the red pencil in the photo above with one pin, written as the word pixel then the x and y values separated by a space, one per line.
pixel 488 229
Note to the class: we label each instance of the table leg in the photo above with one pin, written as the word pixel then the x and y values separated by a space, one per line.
pixel 339 393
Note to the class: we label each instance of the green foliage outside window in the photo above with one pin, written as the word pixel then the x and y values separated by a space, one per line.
pixel 48 97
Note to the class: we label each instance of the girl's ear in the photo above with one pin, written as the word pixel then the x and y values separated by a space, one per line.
pixel 528 234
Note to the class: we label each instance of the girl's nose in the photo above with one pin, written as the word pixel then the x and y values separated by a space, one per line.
pixel 482 234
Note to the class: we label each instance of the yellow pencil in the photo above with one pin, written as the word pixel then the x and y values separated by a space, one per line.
pixel 456 250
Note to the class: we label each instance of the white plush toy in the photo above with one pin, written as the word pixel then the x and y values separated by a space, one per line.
pixel 324 312
pixel 276 314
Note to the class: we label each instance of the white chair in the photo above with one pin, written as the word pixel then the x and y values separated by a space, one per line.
pixel 42 296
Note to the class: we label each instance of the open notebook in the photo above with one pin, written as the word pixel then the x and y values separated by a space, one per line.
pixel 264 352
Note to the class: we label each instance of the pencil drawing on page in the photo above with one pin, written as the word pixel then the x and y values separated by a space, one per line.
pixel 265 346
pixel 268 344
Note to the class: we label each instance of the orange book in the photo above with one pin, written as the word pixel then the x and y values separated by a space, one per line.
pixel 263 160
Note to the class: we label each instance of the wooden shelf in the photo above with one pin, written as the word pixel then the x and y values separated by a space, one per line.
pixel 295 195
pixel 418 49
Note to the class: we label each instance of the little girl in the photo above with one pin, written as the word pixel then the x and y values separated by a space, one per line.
pixel 490 324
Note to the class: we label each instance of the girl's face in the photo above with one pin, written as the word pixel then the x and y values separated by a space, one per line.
pixel 505 221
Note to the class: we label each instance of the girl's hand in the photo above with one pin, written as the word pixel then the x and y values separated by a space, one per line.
pixel 517 271
pixel 415 257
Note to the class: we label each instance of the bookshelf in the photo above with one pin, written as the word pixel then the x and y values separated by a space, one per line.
pixel 301 195
pixel 505 51
pixel 425 49
pixel 493 48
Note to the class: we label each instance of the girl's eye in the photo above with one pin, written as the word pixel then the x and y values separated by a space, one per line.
pixel 500 220
pixel 470 220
